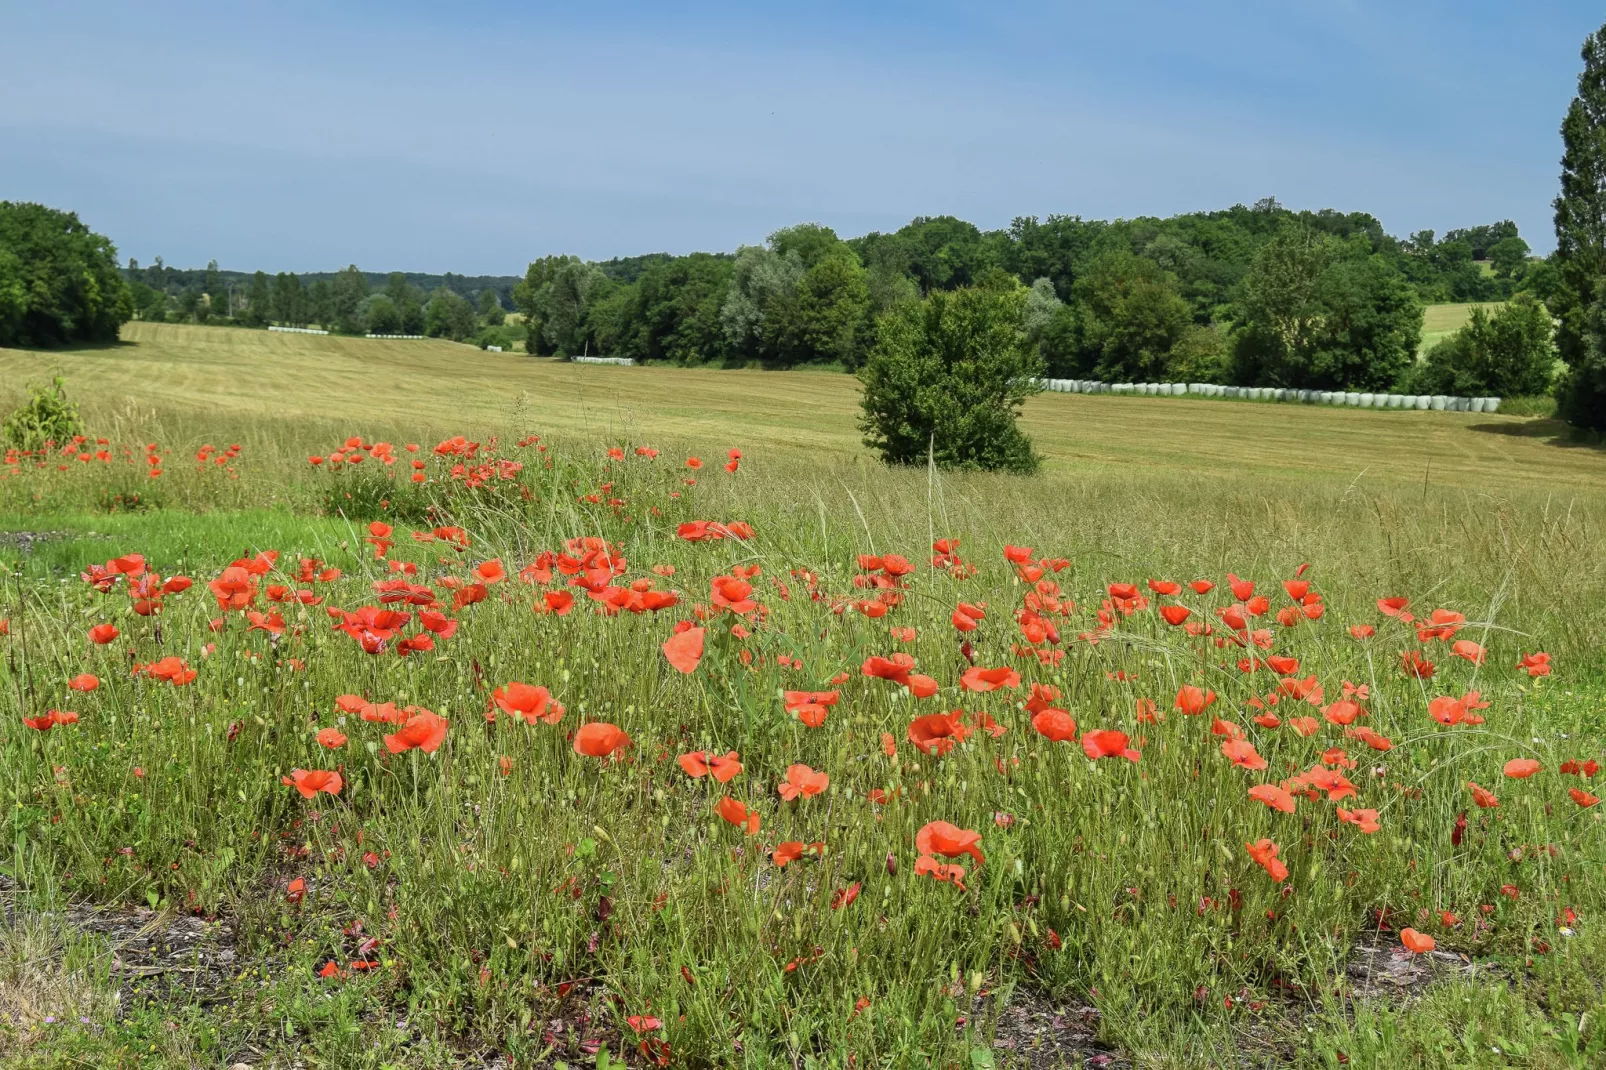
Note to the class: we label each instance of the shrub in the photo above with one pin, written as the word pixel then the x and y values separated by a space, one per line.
pixel 1508 354
pixel 947 377
pixel 47 416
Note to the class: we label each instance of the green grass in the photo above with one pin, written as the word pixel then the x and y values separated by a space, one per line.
pixel 489 892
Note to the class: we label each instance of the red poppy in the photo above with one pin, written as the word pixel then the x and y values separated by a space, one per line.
pixel 738 814
pixel 1582 797
pixel 423 730
pixel 1466 648
pixel 1055 725
pixel 101 634
pixel 531 703
pixel 1415 665
pixel 936 733
pixel 977 678
pixel 234 589
pixel 792 850
pixel 1521 768
pixel 1165 587
pixel 844 896
pixel 1193 700
pixel 1365 820
pixel 1264 852
pixel 1107 743
pixel 1362 631
pixel 950 841
pixel 1535 664
pixel 331 738
pixel 684 649
pixel 927 866
pixel 1416 943
pixel 1273 796
pixel 171 668
pixel 802 782
pixel 84 681
pixel 723 767
pixel 1242 753
pixel 1174 615
pixel 1305 726
pixel 310 782
pixel 599 739
pixel 1485 799
pixel 1393 607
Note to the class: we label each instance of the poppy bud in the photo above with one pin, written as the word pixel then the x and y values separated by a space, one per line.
pixel 892 864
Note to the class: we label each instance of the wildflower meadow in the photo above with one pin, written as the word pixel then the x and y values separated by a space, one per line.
pixel 510 750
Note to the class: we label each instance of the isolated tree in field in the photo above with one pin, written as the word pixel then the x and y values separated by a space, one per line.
pixel 59 281
pixel 1581 244
pixel 947 377
pixel 1508 354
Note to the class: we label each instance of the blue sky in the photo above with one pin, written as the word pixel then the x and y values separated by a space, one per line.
pixel 475 136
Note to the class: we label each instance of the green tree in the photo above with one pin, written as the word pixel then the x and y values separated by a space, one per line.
pixel 287 304
pixel 318 306
pixel 381 316
pixel 448 315
pixel 492 314
pixel 345 300
pixel 1323 313
pixel 947 377
pixel 1507 355
pixel 1508 255
pixel 556 297
pixel 1581 244
pixel 408 302
pixel 217 298
pixel 259 301
pixel 1130 316
pixel 59 281
pixel 672 312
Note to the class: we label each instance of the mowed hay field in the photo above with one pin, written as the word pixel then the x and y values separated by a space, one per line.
pixel 238 377
pixel 1244 735
pixel 1441 321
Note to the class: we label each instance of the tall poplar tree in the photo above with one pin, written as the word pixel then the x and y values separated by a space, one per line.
pixel 1580 303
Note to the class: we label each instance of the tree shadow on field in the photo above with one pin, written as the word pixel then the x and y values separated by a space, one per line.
pixel 1550 431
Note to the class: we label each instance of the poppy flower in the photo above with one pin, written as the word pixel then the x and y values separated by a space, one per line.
pixel 738 814
pixel 1242 753
pixel 531 703
pixel 927 866
pixel 1535 664
pixel 1175 615
pixel 1165 587
pixel 331 738
pixel 101 634
pixel 234 589
pixel 723 767
pixel 967 617
pixel 1273 796
pixel 977 678
pixel 1392 607
pixel 423 730
pixel 1365 820
pixel 684 650
pixel 1574 767
pixel 1202 586
pixel 844 896
pixel 84 681
pixel 936 733
pixel 1362 631
pixel 1416 943
pixel 171 668
pixel 1054 725
pixel 950 841
pixel 1521 768
pixel 1193 700
pixel 1485 799
pixel 1582 797
pixel 1370 738
pixel 599 739
pixel 1305 726
pixel 801 781
pixel 1107 743
pixel 310 782
pixel 792 850
pixel 1467 649
pixel 1264 852
pixel 1415 665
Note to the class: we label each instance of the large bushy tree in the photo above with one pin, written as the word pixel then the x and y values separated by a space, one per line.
pixel 1323 313
pixel 1508 354
pixel 1580 301
pixel 947 377
pixel 59 280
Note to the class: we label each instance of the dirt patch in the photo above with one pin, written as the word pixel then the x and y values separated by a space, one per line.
pixel 1380 969
pixel 1035 1032
pixel 25 541
pixel 162 956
